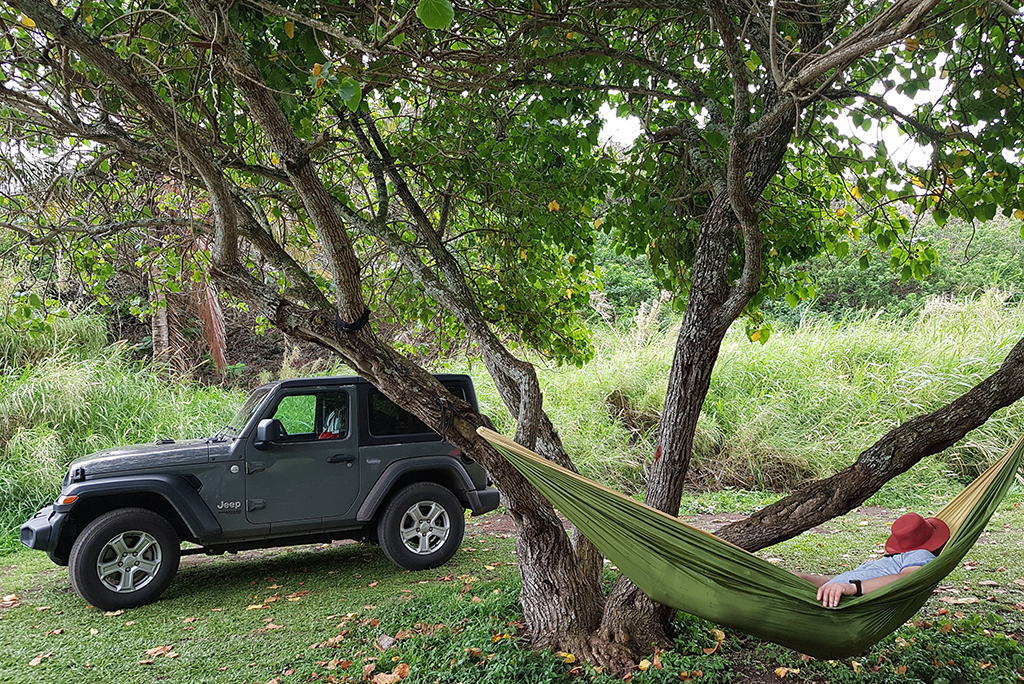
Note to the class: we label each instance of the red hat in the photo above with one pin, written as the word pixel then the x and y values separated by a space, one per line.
pixel 911 531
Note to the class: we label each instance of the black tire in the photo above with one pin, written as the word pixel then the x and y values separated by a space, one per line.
pixel 99 563
pixel 421 526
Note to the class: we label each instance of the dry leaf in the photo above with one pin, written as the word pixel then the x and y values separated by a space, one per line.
pixel 113 613
pixel 988 583
pixel 146 662
pixel 40 658
pixel 644 665
pixel 959 601
pixel 55 631
pixel 368 670
pixel 159 650
pixel 12 600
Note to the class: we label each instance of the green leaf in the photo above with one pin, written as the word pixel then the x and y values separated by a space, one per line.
pixel 351 93
pixel 435 14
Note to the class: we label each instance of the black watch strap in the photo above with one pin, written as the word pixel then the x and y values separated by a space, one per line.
pixel 856 584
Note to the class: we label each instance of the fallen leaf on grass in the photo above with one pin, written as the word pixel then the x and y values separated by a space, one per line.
pixel 332 664
pixel 396 675
pixel 12 600
pixel 959 601
pixel 368 670
pixel 41 608
pixel 113 613
pixel 146 662
pixel 255 606
pixel 166 651
pixel 40 658
pixel 55 631
pixel 783 671
pixel 988 583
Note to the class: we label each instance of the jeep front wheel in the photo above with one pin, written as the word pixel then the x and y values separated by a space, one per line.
pixel 124 558
pixel 421 526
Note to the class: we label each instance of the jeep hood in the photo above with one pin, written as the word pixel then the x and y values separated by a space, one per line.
pixel 146 456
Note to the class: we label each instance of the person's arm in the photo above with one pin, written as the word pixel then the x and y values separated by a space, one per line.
pixel 829 594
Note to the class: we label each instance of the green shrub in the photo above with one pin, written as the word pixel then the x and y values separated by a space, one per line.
pixel 69 405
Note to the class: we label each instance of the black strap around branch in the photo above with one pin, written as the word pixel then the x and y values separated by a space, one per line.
pixel 355 326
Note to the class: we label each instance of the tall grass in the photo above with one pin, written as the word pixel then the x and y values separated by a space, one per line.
pixel 71 403
pixel 799 407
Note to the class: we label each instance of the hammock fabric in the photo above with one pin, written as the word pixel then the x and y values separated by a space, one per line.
pixel 696 572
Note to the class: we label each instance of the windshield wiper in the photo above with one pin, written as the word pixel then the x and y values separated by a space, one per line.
pixel 222 434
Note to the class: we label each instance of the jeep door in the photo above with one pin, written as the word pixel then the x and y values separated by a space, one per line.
pixel 311 472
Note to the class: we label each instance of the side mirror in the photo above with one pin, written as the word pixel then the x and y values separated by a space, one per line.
pixel 267 431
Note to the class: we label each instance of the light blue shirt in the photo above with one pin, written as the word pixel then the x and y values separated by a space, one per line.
pixel 886 565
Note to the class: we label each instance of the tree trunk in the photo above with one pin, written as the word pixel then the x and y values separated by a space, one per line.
pixel 631 619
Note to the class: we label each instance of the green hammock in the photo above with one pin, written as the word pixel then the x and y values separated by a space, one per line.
pixel 696 572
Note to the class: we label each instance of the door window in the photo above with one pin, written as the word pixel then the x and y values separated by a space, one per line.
pixel 317 415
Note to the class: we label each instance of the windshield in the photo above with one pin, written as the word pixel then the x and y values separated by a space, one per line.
pixel 249 408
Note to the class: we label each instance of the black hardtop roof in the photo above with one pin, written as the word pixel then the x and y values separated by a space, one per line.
pixel 351 380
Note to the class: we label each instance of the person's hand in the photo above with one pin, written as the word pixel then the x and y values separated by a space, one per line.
pixel 829 594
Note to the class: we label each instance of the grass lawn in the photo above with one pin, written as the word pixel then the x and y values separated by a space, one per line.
pixel 344 613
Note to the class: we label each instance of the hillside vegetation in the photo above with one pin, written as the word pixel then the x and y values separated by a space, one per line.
pixel 796 408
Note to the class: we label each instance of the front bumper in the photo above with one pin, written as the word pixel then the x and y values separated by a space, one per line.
pixel 42 532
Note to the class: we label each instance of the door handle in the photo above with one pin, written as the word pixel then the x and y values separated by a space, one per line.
pixel 341 458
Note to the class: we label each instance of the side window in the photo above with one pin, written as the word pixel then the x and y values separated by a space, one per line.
pixel 297 413
pixel 333 416
pixel 388 419
pixel 322 415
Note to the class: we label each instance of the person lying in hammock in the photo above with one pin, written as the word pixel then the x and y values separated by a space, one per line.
pixel 913 542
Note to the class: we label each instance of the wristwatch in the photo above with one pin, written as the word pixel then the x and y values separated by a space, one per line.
pixel 856 585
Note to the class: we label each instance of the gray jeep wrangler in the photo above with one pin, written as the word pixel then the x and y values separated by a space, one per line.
pixel 303 461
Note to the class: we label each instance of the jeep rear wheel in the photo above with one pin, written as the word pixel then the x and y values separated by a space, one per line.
pixel 124 558
pixel 421 526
